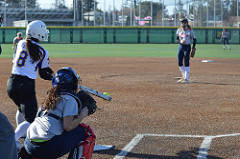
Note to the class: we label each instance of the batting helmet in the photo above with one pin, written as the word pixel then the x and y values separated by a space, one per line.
pixel 66 79
pixel 183 20
pixel 38 30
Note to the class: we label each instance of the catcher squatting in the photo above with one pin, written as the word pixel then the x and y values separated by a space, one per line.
pixel 184 36
pixel 56 129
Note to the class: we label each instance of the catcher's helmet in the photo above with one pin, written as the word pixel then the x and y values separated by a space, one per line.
pixel 183 20
pixel 38 30
pixel 66 79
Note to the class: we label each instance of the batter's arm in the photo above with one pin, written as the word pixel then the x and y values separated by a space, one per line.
pixel 46 73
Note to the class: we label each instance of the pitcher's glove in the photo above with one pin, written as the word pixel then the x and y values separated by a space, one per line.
pixel 192 52
pixel 87 101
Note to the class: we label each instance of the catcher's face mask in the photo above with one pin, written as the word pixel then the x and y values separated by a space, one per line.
pixel 66 79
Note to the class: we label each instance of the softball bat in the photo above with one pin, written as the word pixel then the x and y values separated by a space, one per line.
pixel 96 93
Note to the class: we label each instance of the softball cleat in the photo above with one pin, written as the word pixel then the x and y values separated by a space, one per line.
pixel 180 80
pixel 184 81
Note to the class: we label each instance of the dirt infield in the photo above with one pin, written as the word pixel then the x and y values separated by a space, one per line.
pixel 148 100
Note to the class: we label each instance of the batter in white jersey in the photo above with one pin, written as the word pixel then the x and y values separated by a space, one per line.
pixel 31 59
pixel 23 63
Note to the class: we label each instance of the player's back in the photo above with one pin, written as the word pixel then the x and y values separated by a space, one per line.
pixel 22 63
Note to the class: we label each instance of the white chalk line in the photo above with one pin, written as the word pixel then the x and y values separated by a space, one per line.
pixel 203 150
pixel 227 135
pixel 129 147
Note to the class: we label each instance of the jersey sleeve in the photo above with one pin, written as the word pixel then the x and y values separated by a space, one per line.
pixel 44 63
pixel 177 32
pixel 70 107
pixel 192 34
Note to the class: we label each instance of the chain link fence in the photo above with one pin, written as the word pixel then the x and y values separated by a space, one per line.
pixel 200 13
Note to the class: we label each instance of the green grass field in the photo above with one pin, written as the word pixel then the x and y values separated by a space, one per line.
pixel 128 50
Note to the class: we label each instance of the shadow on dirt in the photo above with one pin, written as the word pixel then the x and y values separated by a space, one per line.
pixel 211 83
pixel 191 154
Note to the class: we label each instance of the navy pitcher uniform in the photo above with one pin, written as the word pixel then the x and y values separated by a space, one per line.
pixel 185 37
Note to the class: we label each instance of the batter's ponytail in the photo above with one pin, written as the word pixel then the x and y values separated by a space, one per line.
pixel 33 49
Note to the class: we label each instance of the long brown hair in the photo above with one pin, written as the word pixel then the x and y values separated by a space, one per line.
pixel 52 99
pixel 33 49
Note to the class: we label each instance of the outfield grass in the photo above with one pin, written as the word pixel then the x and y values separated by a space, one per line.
pixel 128 50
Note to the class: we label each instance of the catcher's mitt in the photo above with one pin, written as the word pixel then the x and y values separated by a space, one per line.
pixel 192 52
pixel 87 101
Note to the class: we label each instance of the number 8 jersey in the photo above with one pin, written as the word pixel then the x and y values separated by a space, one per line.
pixel 22 63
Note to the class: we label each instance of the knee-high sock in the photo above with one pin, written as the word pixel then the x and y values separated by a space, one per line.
pixel 21 129
pixel 187 71
pixel 19 117
pixel 182 69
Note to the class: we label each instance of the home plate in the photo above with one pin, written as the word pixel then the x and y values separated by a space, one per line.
pixel 103 147
pixel 207 60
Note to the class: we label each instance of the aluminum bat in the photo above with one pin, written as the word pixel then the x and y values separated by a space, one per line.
pixel 96 93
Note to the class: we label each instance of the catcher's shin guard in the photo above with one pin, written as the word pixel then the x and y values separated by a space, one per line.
pixel 85 149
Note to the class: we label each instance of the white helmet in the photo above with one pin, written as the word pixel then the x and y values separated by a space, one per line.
pixel 37 29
